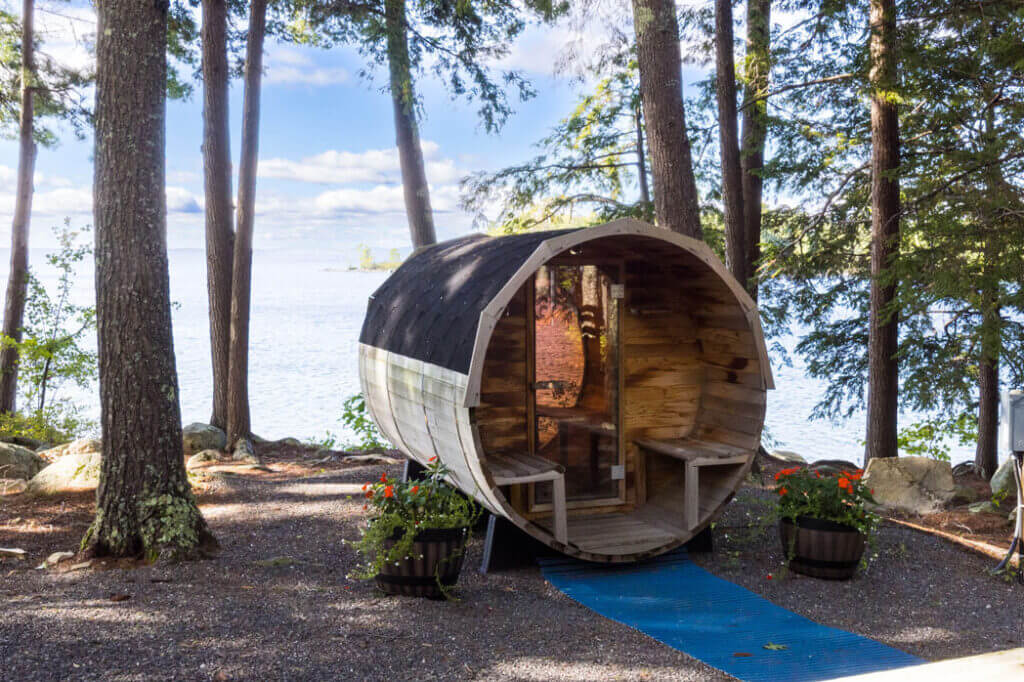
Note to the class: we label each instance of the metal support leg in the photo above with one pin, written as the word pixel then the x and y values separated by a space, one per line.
pixel 1017 544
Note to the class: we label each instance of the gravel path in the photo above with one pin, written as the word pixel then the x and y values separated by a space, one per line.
pixel 276 604
pixel 232 618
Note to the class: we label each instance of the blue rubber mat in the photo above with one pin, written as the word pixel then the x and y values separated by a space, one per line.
pixel 718 622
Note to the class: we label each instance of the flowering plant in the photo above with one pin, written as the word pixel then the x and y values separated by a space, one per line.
pixel 841 498
pixel 403 509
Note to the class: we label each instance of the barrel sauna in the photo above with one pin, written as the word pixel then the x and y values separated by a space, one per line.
pixel 602 388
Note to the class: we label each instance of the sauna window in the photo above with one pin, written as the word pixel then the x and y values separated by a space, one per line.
pixel 576 379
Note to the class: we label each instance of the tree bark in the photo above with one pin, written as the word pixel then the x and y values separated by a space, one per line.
pixel 144 504
pixel 757 66
pixel 17 279
pixel 641 157
pixel 986 453
pixel 676 206
pixel 883 334
pixel 239 426
pixel 729 144
pixel 220 232
pixel 407 136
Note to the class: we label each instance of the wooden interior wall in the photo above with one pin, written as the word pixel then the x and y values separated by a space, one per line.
pixel 502 414
pixel 733 400
pixel 663 374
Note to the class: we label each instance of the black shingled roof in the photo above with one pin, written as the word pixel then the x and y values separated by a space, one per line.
pixel 429 309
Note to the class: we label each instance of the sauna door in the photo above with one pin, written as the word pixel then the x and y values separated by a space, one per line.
pixel 575 388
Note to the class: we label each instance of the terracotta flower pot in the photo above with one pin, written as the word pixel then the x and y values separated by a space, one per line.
pixel 436 556
pixel 820 548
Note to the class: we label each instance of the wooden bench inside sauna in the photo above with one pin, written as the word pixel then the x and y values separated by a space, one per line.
pixel 602 388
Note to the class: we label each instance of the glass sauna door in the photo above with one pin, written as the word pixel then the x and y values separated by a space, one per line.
pixel 576 380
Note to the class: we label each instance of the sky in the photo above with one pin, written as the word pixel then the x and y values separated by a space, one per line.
pixel 328 169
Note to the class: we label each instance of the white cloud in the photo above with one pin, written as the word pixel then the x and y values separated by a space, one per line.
pixel 181 200
pixel 334 167
pixel 292 66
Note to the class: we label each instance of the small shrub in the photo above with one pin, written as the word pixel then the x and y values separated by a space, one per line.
pixel 357 418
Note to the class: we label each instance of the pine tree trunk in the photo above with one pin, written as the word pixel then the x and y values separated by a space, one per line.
pixel 144 504
pixel 407 135
pixel 17 279
pixel 986 453
pixel 729 144
pixel 220 232
pixel 757 66
pixel 239 426
pixel 641 158
pixel 883 335
pixel 676 206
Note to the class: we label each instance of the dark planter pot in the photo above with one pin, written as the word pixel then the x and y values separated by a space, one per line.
pixel 821 549
pixel 436 556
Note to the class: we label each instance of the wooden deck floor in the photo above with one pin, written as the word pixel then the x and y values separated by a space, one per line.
pixel 627 533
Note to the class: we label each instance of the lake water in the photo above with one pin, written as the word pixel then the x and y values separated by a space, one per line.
pixel 307 310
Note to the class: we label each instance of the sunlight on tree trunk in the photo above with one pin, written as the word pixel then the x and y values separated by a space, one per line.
pixel 220 232
pixel 657 44
pixel 239 426
pixel 17 279
pixel 144 503
pixel 407 135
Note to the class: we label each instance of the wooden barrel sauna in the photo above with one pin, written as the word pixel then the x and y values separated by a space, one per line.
pixel 602 388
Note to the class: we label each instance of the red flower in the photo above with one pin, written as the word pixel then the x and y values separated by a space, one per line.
pixel 433 459
pixel 783 491
pixel 389 491
pixel 844 482
pixel 384 477
pixel 369 494
pixel 365 486
pixel 415 489
pixel 786 472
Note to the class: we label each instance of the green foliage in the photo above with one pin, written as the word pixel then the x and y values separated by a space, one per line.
pixel 52 352
pixel 457 41
pixel 401 510
pixel 357 418
pixel 840 498
pixel 588 169
pixel 61 93
pixel 367 262
pixel 930 437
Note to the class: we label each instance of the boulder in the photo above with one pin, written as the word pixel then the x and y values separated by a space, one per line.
pixel 19 462
pixel 292 442
pixel 12 486
pixel 982 507
pixel 25 442
pixel 203 457
pixel 197 437
pixel 69 473
pixel 1002 481
pixel 244 452
pixel 917 485
pixel 833 466
pixel 965 494
pixel 75 447
pixel 787 457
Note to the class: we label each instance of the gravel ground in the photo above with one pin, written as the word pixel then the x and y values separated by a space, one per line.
pixel 919 593
pixel 299 617
pixel 232 618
